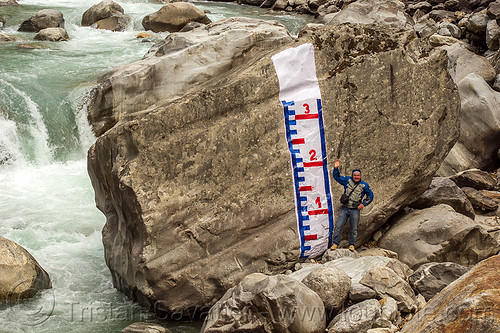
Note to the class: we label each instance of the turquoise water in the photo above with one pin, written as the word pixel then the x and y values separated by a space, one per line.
pixel 46 199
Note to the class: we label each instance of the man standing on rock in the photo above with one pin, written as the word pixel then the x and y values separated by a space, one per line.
pixel 354 189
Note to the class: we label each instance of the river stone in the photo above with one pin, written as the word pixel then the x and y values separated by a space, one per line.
pixel 52 35
pixel 173 17
pixel 20 274
pixel 475 178
pixel 45 18
pixel 479 200
pixel 145 328
pixel 469 304
pixel 101 11
pixel 438 234
pixel 479 127
pixel 444 191
pixel 464 62
pixel 357 318
pixel 387 283
pixel 331 284
pixel 431 278
pixel 261 303
pixel 330 255
pixel 386 12
pixel 6 38
pixel 178 234
pixel 192 58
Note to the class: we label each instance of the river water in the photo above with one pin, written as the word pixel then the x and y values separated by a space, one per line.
pixel 46 199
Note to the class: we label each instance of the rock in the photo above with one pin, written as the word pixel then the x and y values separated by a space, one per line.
pixel 116 22
pixel 356 318
pixel 173 17
pixel 103 10
pixel 378 252
pixel 431 278
pixel 464 62
pixel 387 283
pixel 2 22
pixel 389 313
pixel 423 6
pixel 458 6
pixel 145 328
pixel 449 29
pixel 442 15
pixel 425 27
pixel 20 274
pixel 6 38
pixel 8 3
pixel 141 35
pixel 279 5
pixel 492 35
pixel 161 175
pixel 331 284
pixel 439 40
pixel 380 330
pixel 479 200
pixel 477 22
pixel 493 195
pixel 261 303
pixel 478 179
pixel 493 10
pixel 192 58
pixel 192 25
pixel 251 2
pixel 359 293
pixel 387 12
pixel 479 127
pixel 444 191
pixel 469 304
pixel 45 18
pixel 52 35
pixel 330 255
pixel 438 234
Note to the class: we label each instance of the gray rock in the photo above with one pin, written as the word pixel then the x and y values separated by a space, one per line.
pixel 464 62
pixel 477 22
pixel 494 9
pixel 423 6
pixel 479 127
pixel 440 15
pixel 359 293
pixel 101 11
pixel 425 27
pixel 261 303
pixel 438 234
pixel 331 255
pixel 389 312
pixel 173 17
pixel 449 29
pixel 45 18
pixel 479 200
pixel 192 25
pixel 444 191
pixel 387 283
pixel 145 328
pixel 475 178
pixel 357 318
pixel 492 35
pixel 431 278
pixel 331 284
pixel 52 35
pixel 376 251
pixel 280 5
pixel 21 276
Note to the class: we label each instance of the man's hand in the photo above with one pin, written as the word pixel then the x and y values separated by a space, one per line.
pixel 336 164
pixel 361 206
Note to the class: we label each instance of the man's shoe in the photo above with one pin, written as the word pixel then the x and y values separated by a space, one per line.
pixel 351 247
pixel 334 247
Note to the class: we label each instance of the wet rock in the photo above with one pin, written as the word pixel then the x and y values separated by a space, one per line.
pixel 173 17
pixel 431 278
pixel 469 304
pixel 331 284
pixel 479 200
pixel 6 38
pixel 45 18
pixel 145 328
pixel 20 274
pixel 261 303
pixel 106 15
pixel 438 234
pixel 444 191
pixel 52 35
pixel 356 318
pixel 475 178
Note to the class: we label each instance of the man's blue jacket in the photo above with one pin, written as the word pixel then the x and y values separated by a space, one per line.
pixel 357 193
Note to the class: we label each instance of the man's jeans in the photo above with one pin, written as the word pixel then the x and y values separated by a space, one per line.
pixel 353 215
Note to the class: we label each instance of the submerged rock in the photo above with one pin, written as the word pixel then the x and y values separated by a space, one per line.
pixel 145 328
pixel 197 190
pixel 45 18
pixel 20 274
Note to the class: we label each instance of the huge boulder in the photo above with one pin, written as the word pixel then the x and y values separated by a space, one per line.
pixel 267 304
pixel 191 58
pixel 197 190
pixel 479 139
pixel 107 15
pixel 469 304
pixel 20 274
pixel 45 18
pixel 438 234
pixel 173 17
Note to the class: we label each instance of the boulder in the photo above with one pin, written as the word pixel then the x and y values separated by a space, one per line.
pixel 8 3
pixel 52 35
pixel 357 318
pixel 331 284
pixel 20 274
pixel 103 10
pixel 431 278
pixel 444 191
pixel 438 234
pixel 477 22
pixel 449 29
pixel 475 178
pixel 145 328
pixel 469 304
pixel 387 283
pixel 192 58
pixel 173 17
pixel 161 175
pixel 479 200
pixel 6 38
pixel 492 35
pixel 118 22
pixel 464 62
pixel 2 22
pixel 359 293
pixel 479 128
pixel 386 12
pixel 261 303
pixel 493 10
pixel 389 314
pixel 45 18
